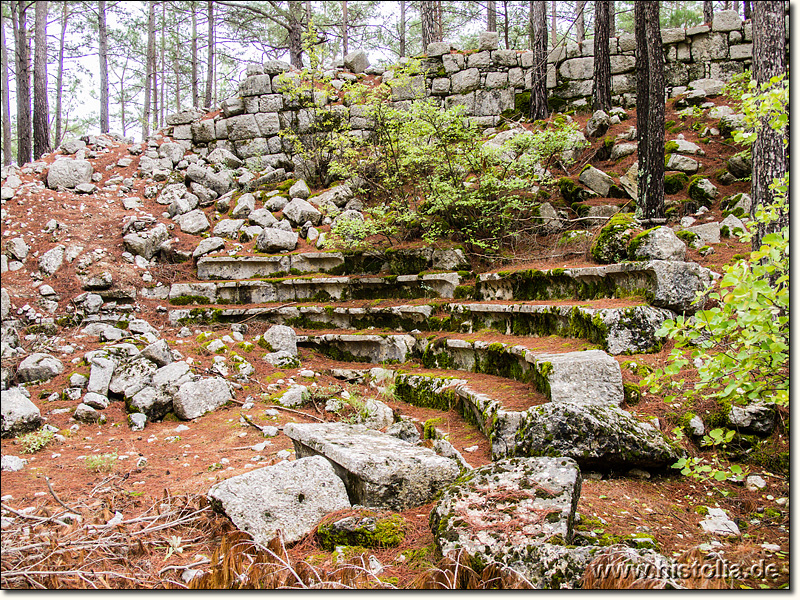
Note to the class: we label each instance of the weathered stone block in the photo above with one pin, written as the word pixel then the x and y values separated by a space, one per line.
pixel 256 86
pixel 440 86
pixel 726 20
pixel 479 60
pixel 465 81
pixel 496 80
pixel 507 58
pixel 378 470
pixel 577 68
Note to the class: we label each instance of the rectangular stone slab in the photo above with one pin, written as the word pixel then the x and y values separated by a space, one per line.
pixel 378 470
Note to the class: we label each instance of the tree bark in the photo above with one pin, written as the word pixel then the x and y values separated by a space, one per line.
pixel 431 22
pixel 491 16
pixel 553 24
pixel 60 75
pixel 612 19
pixel 41 108
pixel 601 94
pixel 402 28
pixel 211 55
pixel 708 11
pixel 344 28
pixel 295 30
pixel 5 99
pixel 747 10
pixel 195 83
pixel 103 55
pixel 151 34
pixel 539 108
pixel 580 21
pixel 23 80
pixel 163 68
pixel 506 24
pixel 650 111
pixel 531 42
pixel 770 160
pixel 154 70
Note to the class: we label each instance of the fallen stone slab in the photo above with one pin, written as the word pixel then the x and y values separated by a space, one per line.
pixel 68 173
pixel 288 499
pixel 512 514
pixel 378 470
pixel 597 436
pixel 39 367
pixel 196 398
pixel 18 413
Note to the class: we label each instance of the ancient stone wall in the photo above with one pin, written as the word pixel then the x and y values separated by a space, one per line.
pixel 488 82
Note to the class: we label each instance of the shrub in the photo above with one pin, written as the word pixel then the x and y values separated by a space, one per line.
pixel 36 440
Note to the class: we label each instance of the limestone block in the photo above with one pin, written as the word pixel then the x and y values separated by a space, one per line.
pixel 507 58
pixel 488 40
pixel 496 80
pixel 256 85
pixel 232 107
pixel 622 64
pixel 379 470
pixel 673 36
pixel 453 63
pixel 203 131
pixel 479 60
pixel 440 86
pixel 741 51
pixel 288 499
pixel 195 398
pixel 435 49
pixel 243 127
pixel 577 68
pixel 268 123
pixel 465 81
pixel 726 20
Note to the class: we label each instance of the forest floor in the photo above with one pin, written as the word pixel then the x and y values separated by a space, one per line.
pixel 166 525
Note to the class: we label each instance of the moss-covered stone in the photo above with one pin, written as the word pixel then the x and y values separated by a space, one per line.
pixel 611 245
pixel 366 531
pixel 674 183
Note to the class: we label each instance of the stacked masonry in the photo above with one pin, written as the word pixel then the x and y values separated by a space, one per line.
pixel 488 83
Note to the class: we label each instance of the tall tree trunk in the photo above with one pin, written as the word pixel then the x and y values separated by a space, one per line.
pixel 148 83
pixel 344 28
pixel 736 6
pixel 402 28
pixel 23 79
pixel 601 95
pixel 154 71
pixel 650 111
pixel 580 22
pixel 295 30
pixel 506 24
pixel 747 10
pixel 531 42
pixel 41 109
pixel 612 19
pixel 708 11
pixel 195 84
pixel 177 70
pixel 211 55
pixel 103 54
pixel 539 108
pixel 60 75
pixel 553 24
pixel 162 69
pixel 491 16
pixel 770 160
pixel 431 24
pixel 5 99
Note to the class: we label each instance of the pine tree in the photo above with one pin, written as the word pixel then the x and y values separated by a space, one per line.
pixel 19 17
pixel 650 111
pixel 41 110
pixel 601 93
pixel 770 160
pixel 539 108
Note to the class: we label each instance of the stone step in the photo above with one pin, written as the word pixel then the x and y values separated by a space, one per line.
pixel 321 289
pixel 598 435
pixel 591 376
pixel 665 284
pixel 412 261
pixel 249 267
pixel 624 330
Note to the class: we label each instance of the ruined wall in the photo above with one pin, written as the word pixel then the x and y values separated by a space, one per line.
pixel 488 82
